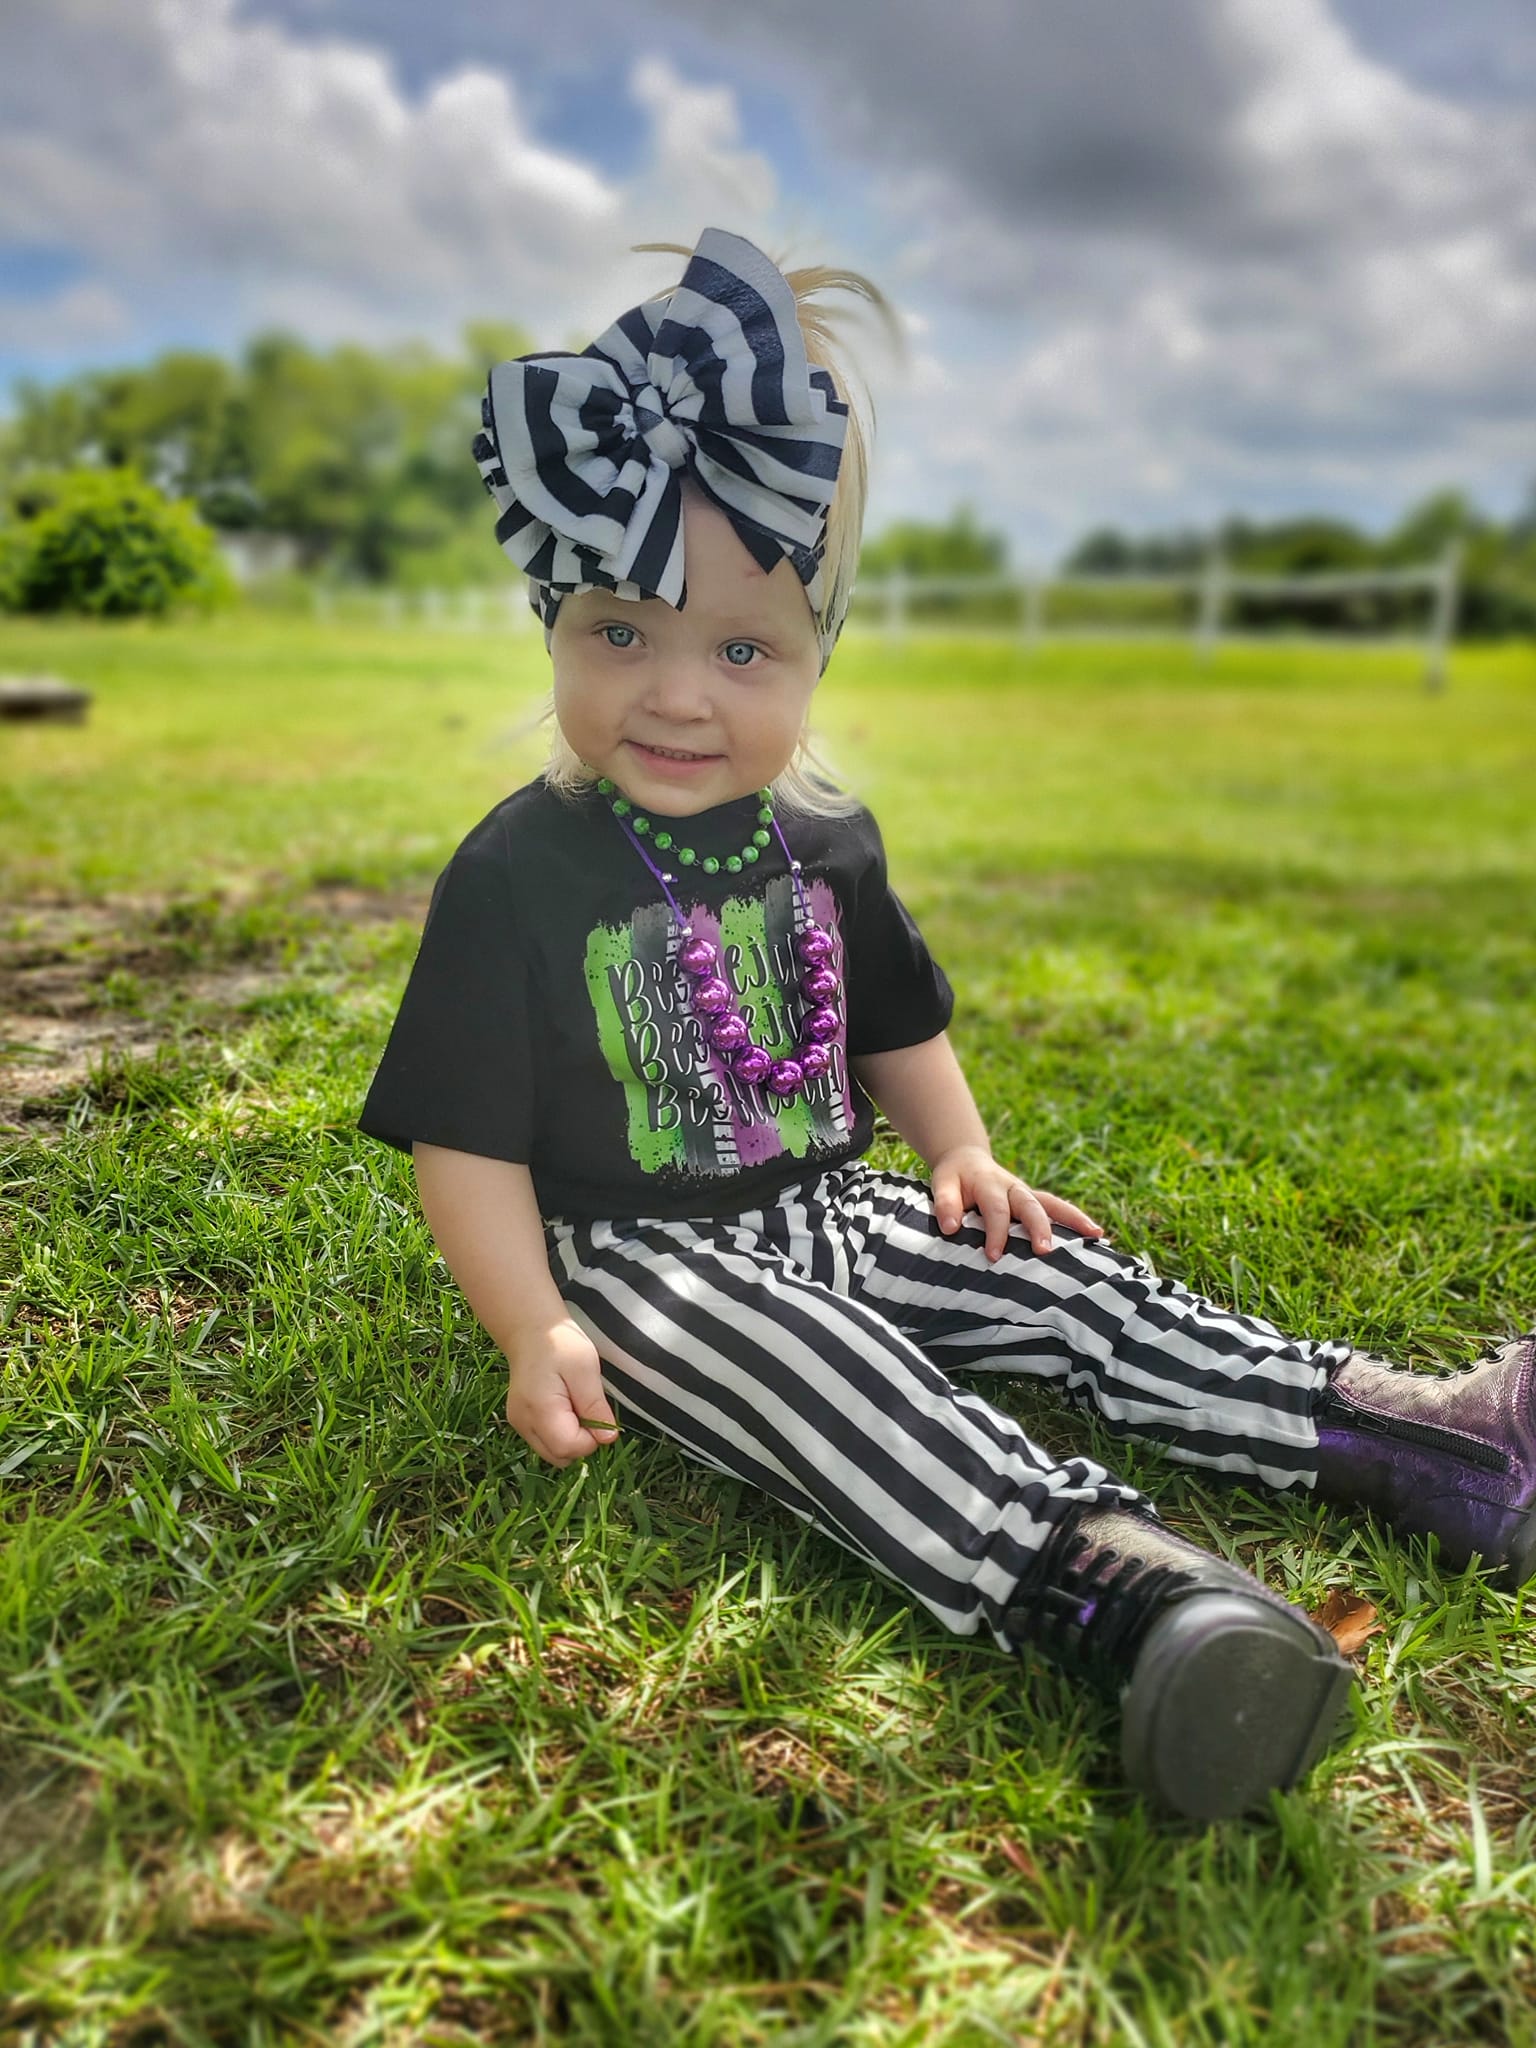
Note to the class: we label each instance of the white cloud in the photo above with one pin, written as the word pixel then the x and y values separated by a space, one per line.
pixel 1220 250
pixel 295 182
pixel 1151 260
pixel 697 153
pixel 82 315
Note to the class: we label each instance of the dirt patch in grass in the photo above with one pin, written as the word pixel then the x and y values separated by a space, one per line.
pixel 84 980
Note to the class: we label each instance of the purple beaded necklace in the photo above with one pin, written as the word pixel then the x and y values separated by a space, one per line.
pixel 712 999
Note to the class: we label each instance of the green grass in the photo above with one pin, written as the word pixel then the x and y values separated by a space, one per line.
pixel 329 1713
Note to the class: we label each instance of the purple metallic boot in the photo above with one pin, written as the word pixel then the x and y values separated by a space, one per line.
pixel 1451 1455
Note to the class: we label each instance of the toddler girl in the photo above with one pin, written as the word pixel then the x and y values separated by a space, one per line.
pixel 660 991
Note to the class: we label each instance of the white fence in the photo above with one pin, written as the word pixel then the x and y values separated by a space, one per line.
pixel 1213 587
pixel 505 607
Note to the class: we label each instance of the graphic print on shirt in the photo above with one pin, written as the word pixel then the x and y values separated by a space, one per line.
pixel 687 1111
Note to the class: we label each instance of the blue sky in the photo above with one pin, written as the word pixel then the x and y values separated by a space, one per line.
pixel 1154 263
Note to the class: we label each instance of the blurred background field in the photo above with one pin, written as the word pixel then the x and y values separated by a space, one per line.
pixel 324 1698
pixel 365 750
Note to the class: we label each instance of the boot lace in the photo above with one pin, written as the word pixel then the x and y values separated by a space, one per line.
pixel 1093 1604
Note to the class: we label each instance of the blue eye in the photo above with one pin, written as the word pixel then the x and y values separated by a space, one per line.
pixel 616 628
pixel 749 644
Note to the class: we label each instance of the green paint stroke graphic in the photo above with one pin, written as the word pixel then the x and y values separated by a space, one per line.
pixel 744 924
pixel 609 947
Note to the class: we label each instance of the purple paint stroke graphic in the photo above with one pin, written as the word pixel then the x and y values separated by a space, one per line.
pixel 759 1122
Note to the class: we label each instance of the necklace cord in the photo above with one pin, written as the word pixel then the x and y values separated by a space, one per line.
pixel 793 865
pixel 639 846
pixel 725 1028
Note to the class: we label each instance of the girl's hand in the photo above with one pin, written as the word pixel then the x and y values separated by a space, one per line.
pixel 554 1390
pixel 970 1178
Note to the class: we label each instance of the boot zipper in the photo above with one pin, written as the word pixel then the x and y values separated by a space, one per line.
pixel 1467 1448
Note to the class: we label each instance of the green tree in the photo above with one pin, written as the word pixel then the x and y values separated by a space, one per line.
pixel 362 455
pixel 958 549
pixel 1108 552
pixel 106 541
pixel 1105 551
pixel 1427 529
pixel 1497 572
pixel 1295 547
pixel 175 420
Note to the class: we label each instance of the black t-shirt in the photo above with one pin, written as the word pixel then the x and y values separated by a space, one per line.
pixel 546 1018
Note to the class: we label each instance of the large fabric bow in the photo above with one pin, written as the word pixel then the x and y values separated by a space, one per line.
pixel 583 454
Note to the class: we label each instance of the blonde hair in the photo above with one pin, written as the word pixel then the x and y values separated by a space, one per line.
pixel 808 783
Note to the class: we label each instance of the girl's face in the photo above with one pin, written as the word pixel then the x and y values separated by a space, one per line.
pixel 687 709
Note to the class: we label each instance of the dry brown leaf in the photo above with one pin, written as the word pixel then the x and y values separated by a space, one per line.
pixel 1022 1862
pixel 1347 1618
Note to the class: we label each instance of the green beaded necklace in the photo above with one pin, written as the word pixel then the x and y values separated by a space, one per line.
pixel 685 856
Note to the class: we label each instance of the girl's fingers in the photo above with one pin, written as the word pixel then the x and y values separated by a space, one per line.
pixel 1031 1212
pixel 540 1449
pixel 543 1436
pixel 999 1203
pixel 991 1198
pixel 948 1203
pixel 1068 1212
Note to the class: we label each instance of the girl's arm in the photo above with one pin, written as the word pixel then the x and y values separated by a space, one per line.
pixel 925 1097
pixel 485 1221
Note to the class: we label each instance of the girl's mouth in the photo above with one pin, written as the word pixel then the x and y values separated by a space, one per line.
pixel 672 760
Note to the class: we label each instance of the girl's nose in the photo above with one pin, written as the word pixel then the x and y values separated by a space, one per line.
pixel 680 689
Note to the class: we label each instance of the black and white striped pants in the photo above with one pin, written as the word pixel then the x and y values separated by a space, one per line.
pixel 800 1347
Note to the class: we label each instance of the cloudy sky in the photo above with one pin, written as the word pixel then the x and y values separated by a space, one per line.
pixel 1156 260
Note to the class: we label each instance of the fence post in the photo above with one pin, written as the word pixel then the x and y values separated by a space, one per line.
pixel 895 607
pixel 1034 594
pixel 1212 595
pixel 1443 623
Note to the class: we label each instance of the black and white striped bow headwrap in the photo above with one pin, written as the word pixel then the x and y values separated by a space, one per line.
pixel 583 454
